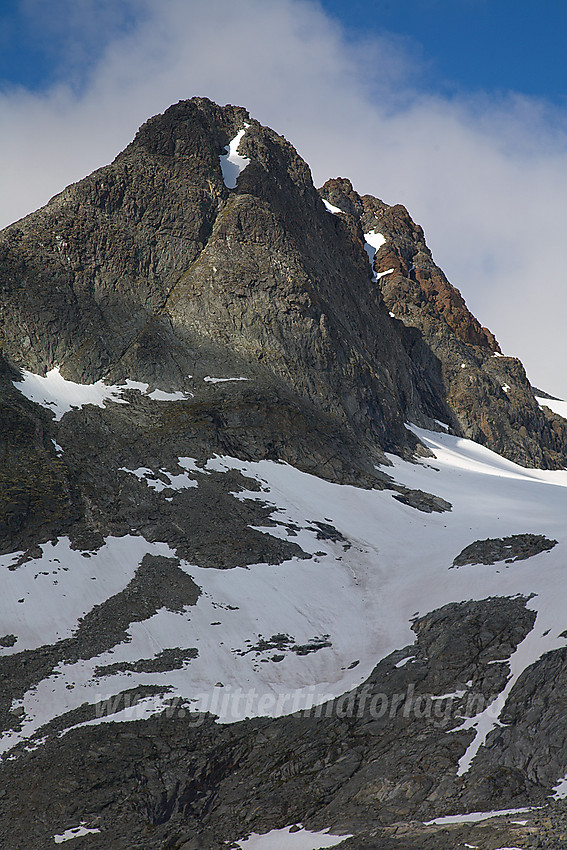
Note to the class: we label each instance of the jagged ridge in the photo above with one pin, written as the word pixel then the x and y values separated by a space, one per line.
pixel 489 396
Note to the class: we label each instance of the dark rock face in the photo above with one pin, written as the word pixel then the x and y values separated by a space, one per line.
pixel 518 547
pixel 532 723
pixel 489 397
pixel 37 499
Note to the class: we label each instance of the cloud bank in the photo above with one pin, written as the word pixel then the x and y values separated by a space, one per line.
pixel 486 177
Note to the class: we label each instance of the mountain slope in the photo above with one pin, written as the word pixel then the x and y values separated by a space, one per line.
pixel 214 506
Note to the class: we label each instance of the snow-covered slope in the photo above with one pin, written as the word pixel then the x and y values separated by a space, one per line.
pixel 276 639
pixel 555 404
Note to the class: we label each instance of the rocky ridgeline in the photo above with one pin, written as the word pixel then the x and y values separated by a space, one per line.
pixel 489 396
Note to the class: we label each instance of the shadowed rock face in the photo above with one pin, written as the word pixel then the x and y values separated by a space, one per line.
pixel 37 498
pixel 489 396
pixel 151 268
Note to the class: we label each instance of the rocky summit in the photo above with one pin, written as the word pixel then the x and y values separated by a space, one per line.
pixel 282 537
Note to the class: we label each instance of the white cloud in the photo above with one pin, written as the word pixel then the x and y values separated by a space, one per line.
pixel 486 178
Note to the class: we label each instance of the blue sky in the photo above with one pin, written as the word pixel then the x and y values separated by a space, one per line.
pixel 43 43
pixel 460 45
pixel 491 45
pixel 455 108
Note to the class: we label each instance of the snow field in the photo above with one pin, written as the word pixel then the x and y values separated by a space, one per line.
pixel 362 599
pixel 61 395
pixel 477 817
pixel 43 599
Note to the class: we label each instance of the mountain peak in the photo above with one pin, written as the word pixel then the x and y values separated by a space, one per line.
pixel 238 481
pixel 153 268
pixel 188 129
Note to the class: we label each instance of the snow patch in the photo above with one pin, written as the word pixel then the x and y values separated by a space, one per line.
pixel 560 789
pixel 161 395
pixel 373 242
pixel 332 209
pixel 232 164
pixel 476 817
pixel 453 695
pixel 222 380
pixel 190 464
pixel 60 395
pixel 43 599
pixel 174 482
pixel 284 839
pixel 74 832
